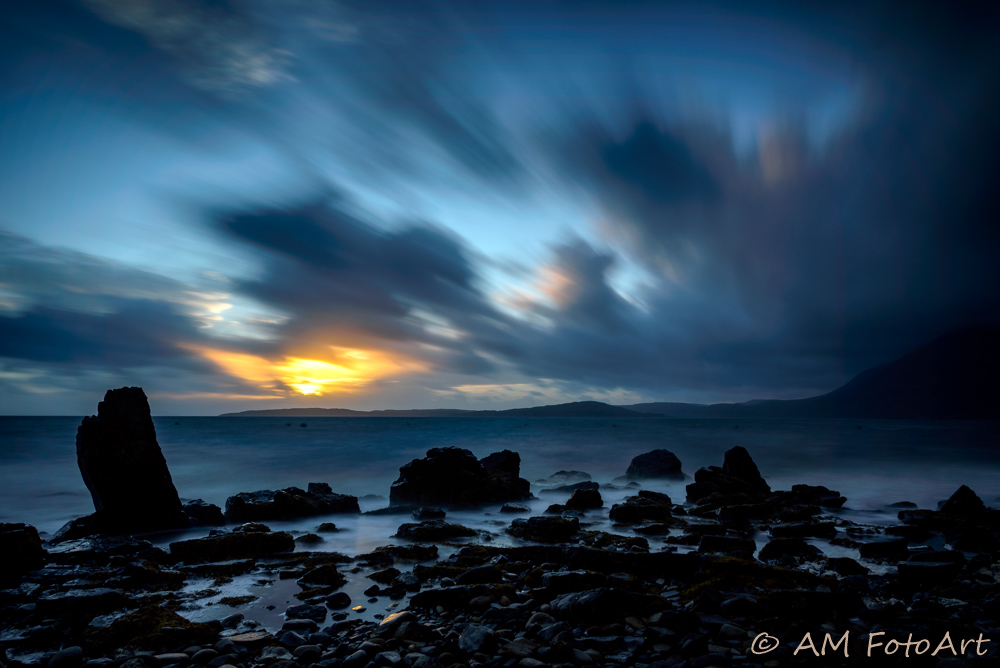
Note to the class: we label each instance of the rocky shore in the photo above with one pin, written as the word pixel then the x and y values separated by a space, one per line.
pixel 734 574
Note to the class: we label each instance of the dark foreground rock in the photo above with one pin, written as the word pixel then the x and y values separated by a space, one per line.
pixel 289 503
pixel 657 464
pixel 124 469
pixel 20 551
pixel 246 541
pixel 432 531
pixel 454 478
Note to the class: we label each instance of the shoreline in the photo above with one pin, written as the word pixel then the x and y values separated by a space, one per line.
pixel 685 583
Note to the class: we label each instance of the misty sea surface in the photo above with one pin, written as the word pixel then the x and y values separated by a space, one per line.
pixel 871 462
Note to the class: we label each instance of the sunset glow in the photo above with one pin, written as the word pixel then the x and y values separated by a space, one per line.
pixel 346 370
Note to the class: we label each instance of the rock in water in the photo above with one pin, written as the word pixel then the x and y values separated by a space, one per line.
pixel 655 464
pixel 124 469
pixel 454 478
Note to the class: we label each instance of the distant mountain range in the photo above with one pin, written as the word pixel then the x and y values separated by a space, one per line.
pixel 956 376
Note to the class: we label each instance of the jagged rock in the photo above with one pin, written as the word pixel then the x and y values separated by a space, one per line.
pixel 454 478
pixel 235 545
pixel 738 477
pixel 433 531
pixel 645 506
pixel 289 503
pixel 655 464
pixel 544 529
pixel 124 469
pixel 585 499
pixel 20 551
pixel 203 514
pixel 964 502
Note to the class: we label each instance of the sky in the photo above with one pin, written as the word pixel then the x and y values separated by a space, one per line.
pixel 242 204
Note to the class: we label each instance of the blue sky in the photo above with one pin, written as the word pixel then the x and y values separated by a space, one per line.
pixel 253 204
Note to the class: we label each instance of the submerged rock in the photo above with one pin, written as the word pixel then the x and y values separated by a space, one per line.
pixel 289 503
pixel 655 464
pixel 124 469
pixel 454 478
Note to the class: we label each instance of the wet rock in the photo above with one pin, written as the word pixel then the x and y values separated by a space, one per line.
pixel 153 628
pixel 781 549
pixel 477 638
pixel 425 513
pixel 325 575
pixel 928 572
pixel 124 469
pixel 569 489
pixel 645 506
pixel 892 550
pixel 816 495
pixel 562 582
pixel 314 612
pixel 845 566
pixel 585 499
pixel 327 527
pixel 603 605
pixel 390 553
pixel 657 464
pixel 289 503
pixel 338 601
pixel 513 508
pixel 203 514
pixel 434 531
pixel 727 545
pixel 20 551
pixel 454 478
pixel 235 545
pixel 805 530
pixel 560 478
pixel 96 601
pixel 737 476
pixel 488 574
pixel 309 539
pixel 545 529
pixel 67 658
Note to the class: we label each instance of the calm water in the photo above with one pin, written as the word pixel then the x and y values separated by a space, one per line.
pixel 871 462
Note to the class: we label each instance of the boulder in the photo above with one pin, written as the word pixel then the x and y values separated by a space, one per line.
pixel 20 551
pixel 235 545
pixel 433 531
pixel 203 514
pixel 289 503
pixel 454 478
pixel 737 482
pixel 795 549
pixel 585 499
pixel 655 464
pixel 124 469
pixel 645 506
pixel 545 529
pixel 964 502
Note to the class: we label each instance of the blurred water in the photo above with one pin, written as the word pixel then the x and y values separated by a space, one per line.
pixel 871 462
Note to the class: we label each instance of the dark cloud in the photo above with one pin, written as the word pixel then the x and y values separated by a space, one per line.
pixel 837 257
pixel 135 334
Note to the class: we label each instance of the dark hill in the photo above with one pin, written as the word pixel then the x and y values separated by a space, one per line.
pixel 571 410
pixel 956 377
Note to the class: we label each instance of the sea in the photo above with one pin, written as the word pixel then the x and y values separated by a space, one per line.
pixel 874 463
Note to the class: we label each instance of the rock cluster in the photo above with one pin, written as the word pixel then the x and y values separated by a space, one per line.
pixel 289 503
pixel 454 478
